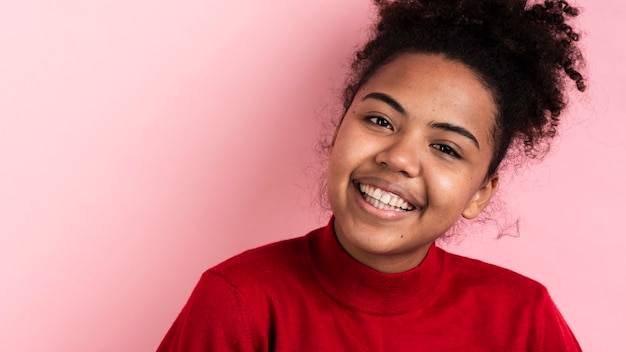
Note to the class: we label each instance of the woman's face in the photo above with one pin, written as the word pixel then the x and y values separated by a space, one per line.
pixel 410 157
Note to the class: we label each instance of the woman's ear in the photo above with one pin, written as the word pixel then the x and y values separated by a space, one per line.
pixel 481 198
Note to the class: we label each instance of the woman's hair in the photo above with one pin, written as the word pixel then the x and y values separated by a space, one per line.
pixel 523 52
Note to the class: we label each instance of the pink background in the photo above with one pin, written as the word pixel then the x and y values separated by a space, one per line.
pixel 142 142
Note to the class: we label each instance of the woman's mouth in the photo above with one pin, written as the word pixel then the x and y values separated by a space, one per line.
pixel 384 200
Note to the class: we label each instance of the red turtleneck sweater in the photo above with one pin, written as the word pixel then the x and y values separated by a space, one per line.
pixel 308 294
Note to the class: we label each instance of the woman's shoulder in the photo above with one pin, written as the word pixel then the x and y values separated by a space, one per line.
pixel 514 306
pixel 466 273
pixel 274 262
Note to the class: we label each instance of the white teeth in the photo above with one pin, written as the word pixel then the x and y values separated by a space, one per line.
pixel 384 200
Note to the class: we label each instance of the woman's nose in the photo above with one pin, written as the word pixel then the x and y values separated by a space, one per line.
pixel 401 155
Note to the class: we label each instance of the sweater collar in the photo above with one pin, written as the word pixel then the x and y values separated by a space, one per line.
pixel 364 289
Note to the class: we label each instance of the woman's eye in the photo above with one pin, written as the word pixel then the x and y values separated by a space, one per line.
pixel 380 121
pixel 446 149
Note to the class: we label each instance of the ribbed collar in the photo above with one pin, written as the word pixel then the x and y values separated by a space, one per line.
pixel 364 289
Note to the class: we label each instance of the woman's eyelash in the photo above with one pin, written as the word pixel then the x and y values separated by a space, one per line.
pixel 380 121
pixel 446 149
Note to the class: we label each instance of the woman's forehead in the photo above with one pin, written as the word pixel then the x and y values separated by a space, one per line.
pixel 434 87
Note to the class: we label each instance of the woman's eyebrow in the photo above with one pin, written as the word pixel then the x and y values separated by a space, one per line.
pixel 387 100
pixel 456 129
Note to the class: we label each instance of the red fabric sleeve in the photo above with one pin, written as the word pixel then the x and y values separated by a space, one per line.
pixel 215 318
pixel 555 333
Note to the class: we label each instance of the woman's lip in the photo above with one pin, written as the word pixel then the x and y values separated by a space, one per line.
pixel 390 187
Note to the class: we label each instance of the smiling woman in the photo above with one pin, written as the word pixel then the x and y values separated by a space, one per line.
pixel 413 133
pixel 437 98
